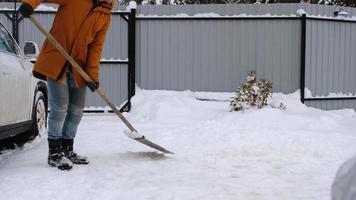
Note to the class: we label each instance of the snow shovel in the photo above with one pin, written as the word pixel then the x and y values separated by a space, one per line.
pixel 133 133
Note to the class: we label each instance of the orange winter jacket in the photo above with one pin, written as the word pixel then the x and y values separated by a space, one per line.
pixel 67 26
pixel 89 44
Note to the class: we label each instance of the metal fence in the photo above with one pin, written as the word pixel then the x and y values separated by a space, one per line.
pixel 212 48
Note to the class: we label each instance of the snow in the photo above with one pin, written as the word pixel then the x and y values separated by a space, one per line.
pixel 43 7
pixel 342 12
pixel 101 60
pixel 265 154
pixel 132 5
pixel 212 14
pixel 133 134
pixel 341 17
pixel 300 12
pixel 255 89
pixel 214 96
pixel 308 94
pixel 114 59
pixel 5 9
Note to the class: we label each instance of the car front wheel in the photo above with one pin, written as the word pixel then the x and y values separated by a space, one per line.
pixel 39 115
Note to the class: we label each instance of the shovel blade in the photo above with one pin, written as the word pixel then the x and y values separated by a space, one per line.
pixel 153 145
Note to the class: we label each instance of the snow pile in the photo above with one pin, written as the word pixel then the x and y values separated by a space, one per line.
pixel 155 105
pixel 263 154
pixel 27 146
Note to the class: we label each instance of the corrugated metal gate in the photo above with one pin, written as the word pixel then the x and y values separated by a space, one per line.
pixel 330 65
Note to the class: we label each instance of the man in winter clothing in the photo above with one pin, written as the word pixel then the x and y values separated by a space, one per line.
pixel 80 26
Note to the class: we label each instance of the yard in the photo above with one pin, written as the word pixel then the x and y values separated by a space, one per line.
pixel 265 154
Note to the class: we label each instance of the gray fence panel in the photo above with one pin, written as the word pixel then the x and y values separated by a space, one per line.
pixel 331 62
pixel 217 55
pixel 114 84
pixel 115 44
pixel 332 104
pixel 28 32
pixel 6 22
pixel 116 40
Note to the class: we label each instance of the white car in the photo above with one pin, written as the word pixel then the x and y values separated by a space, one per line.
pixel 23 98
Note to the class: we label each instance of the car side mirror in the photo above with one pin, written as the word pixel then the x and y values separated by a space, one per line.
pixel 30 49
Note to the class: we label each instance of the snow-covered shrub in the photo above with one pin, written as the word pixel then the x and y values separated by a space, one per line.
pixel 252 93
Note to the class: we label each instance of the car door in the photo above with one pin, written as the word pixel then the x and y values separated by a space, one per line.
pixel 15 82
pixel 3 75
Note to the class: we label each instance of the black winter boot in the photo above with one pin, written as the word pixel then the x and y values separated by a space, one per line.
pixel 71 155
pixel 56 156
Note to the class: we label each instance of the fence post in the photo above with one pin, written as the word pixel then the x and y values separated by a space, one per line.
pixel 131 55
pixel 15 20
pixel 302 58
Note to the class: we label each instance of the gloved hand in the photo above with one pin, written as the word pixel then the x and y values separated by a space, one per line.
pixel 93 86
pixel 26 10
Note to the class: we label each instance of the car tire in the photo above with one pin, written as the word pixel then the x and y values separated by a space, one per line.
pixel 39 122
pixel 39 115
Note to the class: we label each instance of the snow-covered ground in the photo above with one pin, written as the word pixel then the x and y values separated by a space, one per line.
pixel 263 154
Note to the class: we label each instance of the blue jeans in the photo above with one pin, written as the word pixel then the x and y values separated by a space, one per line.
pixel 66 103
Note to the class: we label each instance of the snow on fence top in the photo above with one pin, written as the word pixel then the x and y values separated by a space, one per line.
pixel 4 6
pixel 132 5
pixel 224 10
pixel 299 13
pixel 41 7
pixel 289 9
pixel 101 60
pixel 211 15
